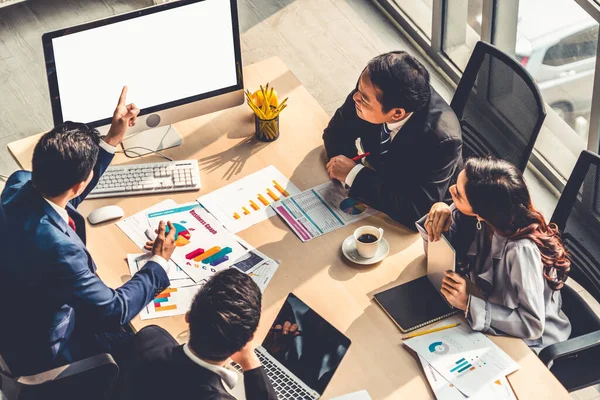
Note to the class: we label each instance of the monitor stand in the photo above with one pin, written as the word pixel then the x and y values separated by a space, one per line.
pixel 151 140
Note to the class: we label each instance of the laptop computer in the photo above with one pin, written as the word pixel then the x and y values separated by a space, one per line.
pixel 301 364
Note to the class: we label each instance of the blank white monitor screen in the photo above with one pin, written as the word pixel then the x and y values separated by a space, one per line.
pixel 162 57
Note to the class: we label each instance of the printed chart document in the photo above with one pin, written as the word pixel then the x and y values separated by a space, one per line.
pixel 176 275
pixel 172 301
pixel 176 300
pixel 258 266
pixel 467 359
pixel 320 210
pixel 135 226
pixel 444 390
pixel 203 245
pixel 248 201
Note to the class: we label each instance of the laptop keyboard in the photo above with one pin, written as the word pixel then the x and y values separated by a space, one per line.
pixel 284 386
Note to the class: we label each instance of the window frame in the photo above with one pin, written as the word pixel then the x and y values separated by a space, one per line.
pixel 498 13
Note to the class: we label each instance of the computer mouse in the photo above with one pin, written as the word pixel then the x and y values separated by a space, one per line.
pixel 150 234
pixel 103 214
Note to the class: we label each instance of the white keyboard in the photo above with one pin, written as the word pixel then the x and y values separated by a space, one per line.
pixel 160 177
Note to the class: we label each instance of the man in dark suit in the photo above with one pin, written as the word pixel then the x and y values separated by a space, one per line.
pixel 223 319
pixel 413 137
pixel 56 308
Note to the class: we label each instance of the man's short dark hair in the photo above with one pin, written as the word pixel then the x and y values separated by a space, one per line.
pixel 64 157
pixel 224 315
pixel 402 80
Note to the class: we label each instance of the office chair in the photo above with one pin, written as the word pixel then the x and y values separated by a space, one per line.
pixel 575 361
pixel 499 107
pixel 91 379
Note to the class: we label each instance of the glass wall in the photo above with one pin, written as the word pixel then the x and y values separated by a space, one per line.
pixel 556 42
pixel 419 11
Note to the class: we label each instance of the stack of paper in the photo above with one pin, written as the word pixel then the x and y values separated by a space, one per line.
pixel 204 247
pixel 461 361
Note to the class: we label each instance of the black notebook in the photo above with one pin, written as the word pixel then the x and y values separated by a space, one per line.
pixel 414 304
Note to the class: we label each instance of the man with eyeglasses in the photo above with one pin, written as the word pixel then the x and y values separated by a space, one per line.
pixel 57 310
pixel 411 135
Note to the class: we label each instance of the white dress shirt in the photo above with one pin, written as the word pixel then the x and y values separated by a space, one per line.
pixel 65 215
pixel 394 129
pixel 229 377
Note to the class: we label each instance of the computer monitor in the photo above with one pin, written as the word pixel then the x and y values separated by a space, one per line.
pixel 179 60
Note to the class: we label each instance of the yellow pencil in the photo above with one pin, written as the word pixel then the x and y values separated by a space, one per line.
pixel 441 328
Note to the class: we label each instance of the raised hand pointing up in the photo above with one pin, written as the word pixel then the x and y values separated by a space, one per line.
pixel 125 116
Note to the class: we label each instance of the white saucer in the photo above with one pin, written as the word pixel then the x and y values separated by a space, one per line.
pixel 349 251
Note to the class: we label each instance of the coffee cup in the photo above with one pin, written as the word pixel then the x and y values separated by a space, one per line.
pixel 367 240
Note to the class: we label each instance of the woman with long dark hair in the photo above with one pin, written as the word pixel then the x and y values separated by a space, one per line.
pixel 516 260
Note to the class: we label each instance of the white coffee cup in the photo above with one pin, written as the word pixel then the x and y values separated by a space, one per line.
pixel 367 250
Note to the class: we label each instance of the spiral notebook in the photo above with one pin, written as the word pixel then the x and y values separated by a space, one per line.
pixel 418 303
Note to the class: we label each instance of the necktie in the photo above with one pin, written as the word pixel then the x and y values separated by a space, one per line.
pixel 385 139
pixel 72 224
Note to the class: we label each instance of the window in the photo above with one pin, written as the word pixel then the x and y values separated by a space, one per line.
pixel 575 48
pixel 462 30
pixel 554 40
pixel 420 13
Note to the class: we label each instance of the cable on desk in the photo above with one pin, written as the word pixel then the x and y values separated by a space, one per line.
pixel 133 154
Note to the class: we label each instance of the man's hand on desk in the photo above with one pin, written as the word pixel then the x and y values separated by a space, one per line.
pixel 339 167
pixel 125 116
pixel 164 244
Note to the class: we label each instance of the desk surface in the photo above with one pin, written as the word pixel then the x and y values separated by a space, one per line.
pixel 315 271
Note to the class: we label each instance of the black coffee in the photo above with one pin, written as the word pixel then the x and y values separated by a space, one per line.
pixel 367 238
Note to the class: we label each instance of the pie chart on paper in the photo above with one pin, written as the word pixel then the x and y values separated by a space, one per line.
pixel 182 235
pixel 352 207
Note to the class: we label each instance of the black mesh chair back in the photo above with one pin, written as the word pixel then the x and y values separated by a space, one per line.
pixel 499 107
pixel 577 214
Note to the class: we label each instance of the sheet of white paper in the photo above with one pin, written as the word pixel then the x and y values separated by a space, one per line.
pixel 204 246
pixel 173 301
pixel 444 390
pixel 135 226
pixel 467 359
pixel 264 272
pixel 246 202
pixel 176 275
pixel 362 395
pixel 320 210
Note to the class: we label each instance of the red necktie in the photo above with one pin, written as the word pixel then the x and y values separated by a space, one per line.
pixel 72 224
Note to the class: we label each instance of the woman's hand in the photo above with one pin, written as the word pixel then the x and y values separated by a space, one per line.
pixel 438 221
pixel 454 289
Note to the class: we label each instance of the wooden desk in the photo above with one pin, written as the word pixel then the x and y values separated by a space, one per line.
pixel 316 271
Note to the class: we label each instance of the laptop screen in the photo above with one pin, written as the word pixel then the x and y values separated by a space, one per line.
pixel 312 348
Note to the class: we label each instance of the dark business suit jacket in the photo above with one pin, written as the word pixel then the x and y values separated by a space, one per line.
pixel 47 278
pixel 423 159
pixel 162 370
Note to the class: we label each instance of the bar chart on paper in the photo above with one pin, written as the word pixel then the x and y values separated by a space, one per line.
pixel 248 201
pixel 466 359
pixel 172 301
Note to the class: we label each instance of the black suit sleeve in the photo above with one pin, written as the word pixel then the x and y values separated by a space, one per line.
pixel 338 137
pixel 257 385
pixel 401 197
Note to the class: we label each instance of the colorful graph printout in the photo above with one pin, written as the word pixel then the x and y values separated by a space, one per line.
pixel 320 210
pixel 208 248
pixel 465 358
pixel 498 390
pixel 248 201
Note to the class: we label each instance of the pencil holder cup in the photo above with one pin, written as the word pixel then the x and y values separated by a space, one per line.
pixel 266 130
